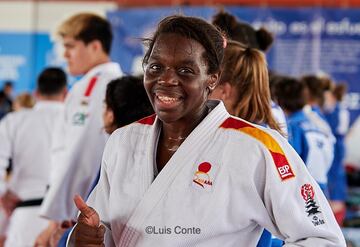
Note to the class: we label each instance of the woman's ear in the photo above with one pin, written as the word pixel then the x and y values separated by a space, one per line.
pixel 227 90
pixel 213 81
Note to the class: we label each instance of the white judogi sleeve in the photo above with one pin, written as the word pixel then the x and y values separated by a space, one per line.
pixel 279 117
pixel 5 154
pixel 84 141
pixel 5 149
pixel 308 207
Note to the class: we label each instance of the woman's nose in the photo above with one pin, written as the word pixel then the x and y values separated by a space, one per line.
pixel 168 77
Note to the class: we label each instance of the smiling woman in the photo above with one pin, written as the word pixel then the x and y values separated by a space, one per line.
pixel 177 84
pixel 194 165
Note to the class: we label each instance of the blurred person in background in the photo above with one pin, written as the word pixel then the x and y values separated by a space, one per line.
pixel 338 118
pixel 243 32
pixel 352 155
pixel 244 85
pixel 8 89
pixel 5 105
pixel 26 138
pixel 248 90
pixel 6 95
pixel 260 39
pixel 87 41
pixel 315 89
pixel 23 101
pixel 126 101
pixel 309 141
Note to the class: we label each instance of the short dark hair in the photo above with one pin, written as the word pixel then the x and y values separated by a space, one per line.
pixel 8 84
pixel 193 28
pixel 316 87
pixel 339 91
pixel 127 98
pixel 290 93
pixel 88 27
pixel 51 81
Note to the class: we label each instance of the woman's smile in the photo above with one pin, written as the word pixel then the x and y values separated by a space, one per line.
pixel 166 101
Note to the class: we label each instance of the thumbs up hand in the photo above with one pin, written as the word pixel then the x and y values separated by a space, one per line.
pixel 88 215
pixel 88 231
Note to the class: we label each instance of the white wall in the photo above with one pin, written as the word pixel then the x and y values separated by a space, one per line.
pixel 22 53
pixel 17 16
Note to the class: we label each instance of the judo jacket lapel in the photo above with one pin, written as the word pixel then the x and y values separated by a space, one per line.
pixel 194 144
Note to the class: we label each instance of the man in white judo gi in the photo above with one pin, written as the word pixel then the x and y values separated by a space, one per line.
pixel 26 137
pixel 193 175
pixel 87 41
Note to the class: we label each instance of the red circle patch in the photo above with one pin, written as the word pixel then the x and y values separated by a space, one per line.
pixel 204 167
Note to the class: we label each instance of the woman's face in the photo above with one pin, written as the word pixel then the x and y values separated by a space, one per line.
pixel 176 79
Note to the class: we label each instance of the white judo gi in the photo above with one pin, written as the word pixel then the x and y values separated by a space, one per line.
pixel 81 140
pixel 320 159
pixel 26 138
pixel 228 181
pixel 279 117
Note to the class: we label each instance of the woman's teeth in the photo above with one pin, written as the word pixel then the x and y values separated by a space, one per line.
pixel 167 99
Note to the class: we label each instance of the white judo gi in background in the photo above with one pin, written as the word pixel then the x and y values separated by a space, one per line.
pixel 279 117
pixel 228 181
pixel 81 140
pixel 26 138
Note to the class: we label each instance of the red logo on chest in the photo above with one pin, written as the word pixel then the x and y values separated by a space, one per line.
pixel 201 176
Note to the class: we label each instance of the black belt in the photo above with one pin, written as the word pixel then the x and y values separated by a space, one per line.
pixel 29 203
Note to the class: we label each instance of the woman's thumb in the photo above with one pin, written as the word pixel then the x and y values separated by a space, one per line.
pixel 88 215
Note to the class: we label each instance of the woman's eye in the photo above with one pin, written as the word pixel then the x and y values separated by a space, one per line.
pixel 154 67
pixel 185 71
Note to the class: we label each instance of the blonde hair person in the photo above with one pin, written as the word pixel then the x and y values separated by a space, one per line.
pixel 24 100
pixel 87 27
pixel 244 85
pixel 86 39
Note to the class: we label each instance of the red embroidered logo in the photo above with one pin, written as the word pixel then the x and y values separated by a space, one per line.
pixel 201 177
pixel 311 207
pixel 307 192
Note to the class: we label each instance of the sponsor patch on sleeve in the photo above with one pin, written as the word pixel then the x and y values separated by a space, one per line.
pixel 283 167
pixel 311 206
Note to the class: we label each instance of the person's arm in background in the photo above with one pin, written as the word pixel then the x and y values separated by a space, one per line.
pixel 8 199
pixel 5 155
pixel 5 151
pixel 56 164
pixel 80 160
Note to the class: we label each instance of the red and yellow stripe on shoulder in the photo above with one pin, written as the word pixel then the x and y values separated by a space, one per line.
pixel 148 120
pixel 282 165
